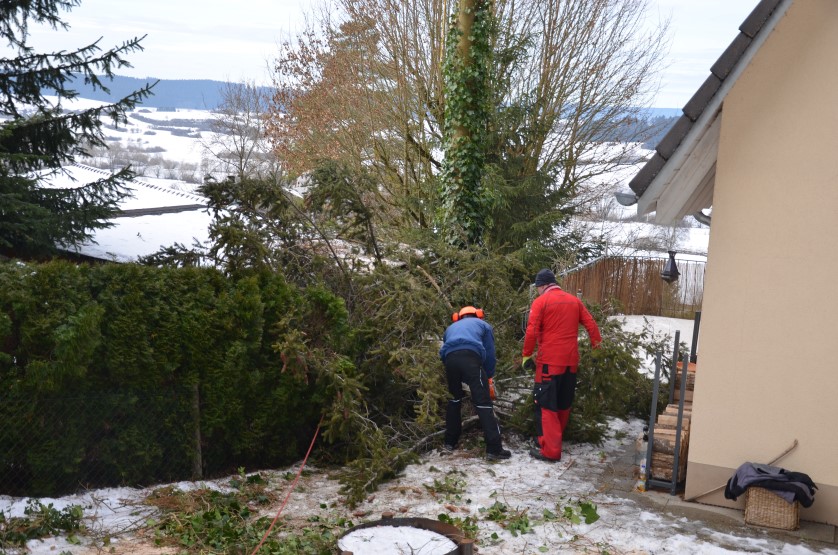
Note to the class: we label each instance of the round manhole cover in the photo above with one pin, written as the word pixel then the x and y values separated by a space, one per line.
pixel 414 536
pixel 391 540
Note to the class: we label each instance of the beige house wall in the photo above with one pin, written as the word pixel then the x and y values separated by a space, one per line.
pixel 767 361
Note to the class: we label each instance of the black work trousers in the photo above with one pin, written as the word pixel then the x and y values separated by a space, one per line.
pixel 461 367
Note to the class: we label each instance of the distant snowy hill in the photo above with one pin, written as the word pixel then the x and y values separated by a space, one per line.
pixel 166 147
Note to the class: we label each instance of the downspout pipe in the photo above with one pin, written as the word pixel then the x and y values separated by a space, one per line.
pixel 702 218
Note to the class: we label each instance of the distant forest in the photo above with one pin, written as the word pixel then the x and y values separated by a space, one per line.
pixel 652 128
pixel 205 94
pixel 194 94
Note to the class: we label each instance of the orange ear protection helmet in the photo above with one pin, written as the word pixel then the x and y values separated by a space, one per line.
pixel 468 310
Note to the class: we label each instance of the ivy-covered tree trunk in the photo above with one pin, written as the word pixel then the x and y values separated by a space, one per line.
pixel 465 203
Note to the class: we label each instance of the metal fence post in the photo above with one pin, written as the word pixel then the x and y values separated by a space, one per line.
pixel 197 461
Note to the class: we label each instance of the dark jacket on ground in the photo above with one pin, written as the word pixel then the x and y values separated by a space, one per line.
pixel 790 486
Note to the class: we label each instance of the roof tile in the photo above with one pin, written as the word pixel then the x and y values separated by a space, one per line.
pixel 757 18
pixel 702 97
pixel 726 62
pixel 674 136
pixel 646 174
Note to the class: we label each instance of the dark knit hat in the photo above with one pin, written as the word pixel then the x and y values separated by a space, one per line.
pixel 544 277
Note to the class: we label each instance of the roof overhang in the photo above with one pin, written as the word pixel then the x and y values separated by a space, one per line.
pixel 679 179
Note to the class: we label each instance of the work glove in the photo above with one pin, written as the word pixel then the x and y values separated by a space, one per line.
pixel 528 364
pixel 492 391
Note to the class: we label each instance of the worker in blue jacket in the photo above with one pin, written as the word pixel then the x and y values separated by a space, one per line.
pixel 468 353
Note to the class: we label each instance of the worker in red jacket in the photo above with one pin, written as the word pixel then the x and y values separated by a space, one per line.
pixel 553 327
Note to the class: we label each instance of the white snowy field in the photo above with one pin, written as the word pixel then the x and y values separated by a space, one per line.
pixel 172 137
pixel 540 491
pixel 152 129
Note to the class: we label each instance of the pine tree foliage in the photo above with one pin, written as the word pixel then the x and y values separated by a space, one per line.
pixel 38 136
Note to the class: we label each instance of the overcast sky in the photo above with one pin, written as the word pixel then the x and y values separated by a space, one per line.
pixel 235 40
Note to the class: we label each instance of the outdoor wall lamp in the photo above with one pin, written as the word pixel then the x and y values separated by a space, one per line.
pixel 670 271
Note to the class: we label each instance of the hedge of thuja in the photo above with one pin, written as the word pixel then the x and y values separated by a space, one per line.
pixel 105 372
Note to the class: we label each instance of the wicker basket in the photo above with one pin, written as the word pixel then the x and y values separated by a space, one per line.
pixel 765 508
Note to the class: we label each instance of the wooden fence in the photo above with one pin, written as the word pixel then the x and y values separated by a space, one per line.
pixel 636 284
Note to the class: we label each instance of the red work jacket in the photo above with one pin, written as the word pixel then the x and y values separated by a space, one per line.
pixel 554 326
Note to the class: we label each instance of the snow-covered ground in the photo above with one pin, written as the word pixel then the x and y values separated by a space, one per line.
pixel 542 493
pixel 131 238
pixel 160 213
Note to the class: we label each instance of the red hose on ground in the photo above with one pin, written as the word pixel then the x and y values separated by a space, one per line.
pixel 293 485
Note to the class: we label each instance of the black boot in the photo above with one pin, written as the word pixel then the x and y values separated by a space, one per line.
pixel 498 455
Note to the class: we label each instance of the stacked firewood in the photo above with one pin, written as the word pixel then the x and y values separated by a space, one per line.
pixel 665 433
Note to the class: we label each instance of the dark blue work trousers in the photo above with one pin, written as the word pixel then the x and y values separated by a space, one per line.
pixel 465 367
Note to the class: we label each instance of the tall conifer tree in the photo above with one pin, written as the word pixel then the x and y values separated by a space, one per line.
pixel 38 136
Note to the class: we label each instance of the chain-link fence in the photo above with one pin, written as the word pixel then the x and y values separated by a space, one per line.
pixel 53 445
